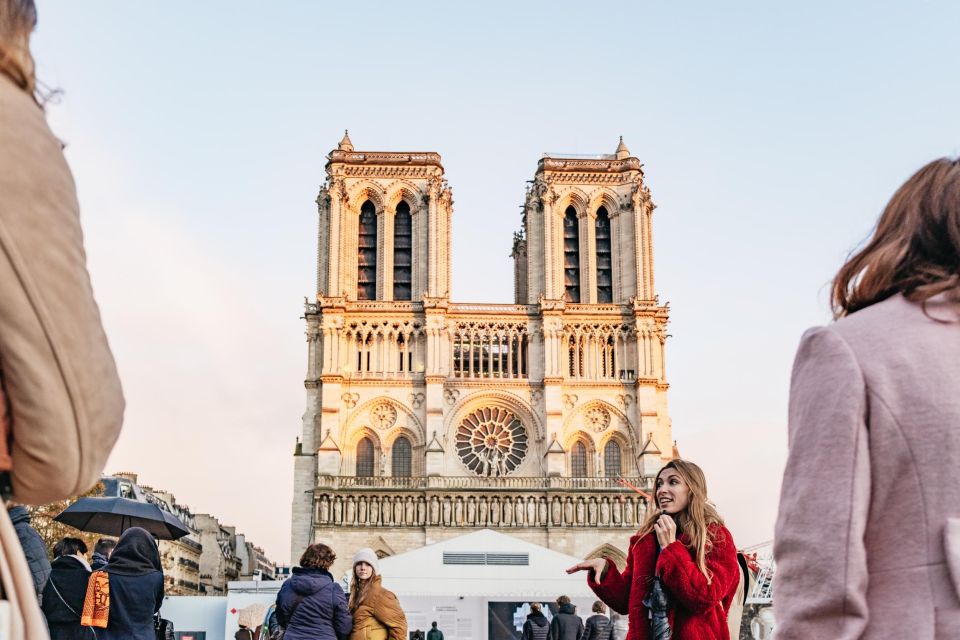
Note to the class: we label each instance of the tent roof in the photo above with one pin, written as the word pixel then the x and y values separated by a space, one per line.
pixel 421 572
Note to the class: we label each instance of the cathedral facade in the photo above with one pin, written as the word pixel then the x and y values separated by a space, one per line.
pixel 427 417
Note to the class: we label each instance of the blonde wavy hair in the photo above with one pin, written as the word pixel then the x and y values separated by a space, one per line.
pixel 693 521
pixel 18 19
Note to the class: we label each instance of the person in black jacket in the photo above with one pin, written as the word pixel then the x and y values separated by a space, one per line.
pixel 136 587
pixel 33 547
pixel 64 592
pixel 537 627
pixel 101 553
pixel 566 625
pixel 598 625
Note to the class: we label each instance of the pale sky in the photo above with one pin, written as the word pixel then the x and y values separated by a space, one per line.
pixel 772 137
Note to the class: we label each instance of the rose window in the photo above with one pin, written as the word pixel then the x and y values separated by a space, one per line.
pixel 491 442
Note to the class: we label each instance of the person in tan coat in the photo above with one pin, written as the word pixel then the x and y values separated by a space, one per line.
pixel 61 406
pixel 867 540
pixel 376 611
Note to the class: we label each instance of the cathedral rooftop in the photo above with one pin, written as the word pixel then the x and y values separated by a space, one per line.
pixel 619 161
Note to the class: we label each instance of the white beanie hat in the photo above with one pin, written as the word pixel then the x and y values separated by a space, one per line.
pixel 369 556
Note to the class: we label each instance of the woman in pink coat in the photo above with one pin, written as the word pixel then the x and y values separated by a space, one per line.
pixel 868 535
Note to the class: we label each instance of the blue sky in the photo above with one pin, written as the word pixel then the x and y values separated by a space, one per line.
pixel 771 135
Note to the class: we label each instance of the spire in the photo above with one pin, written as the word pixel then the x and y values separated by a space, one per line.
pixel 346 145
pixel 622 151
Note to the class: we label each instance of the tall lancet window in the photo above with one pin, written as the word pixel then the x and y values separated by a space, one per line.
pixel 365 458
pixel 578 460
pixel 401 459
pixel 402 252
pixel 611 460
pixel 604 272
pixel 571 256
pixel 367 253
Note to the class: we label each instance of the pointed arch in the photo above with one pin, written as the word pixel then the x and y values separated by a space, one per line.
pixel 367 248
pixel 571 254
pixel 366 458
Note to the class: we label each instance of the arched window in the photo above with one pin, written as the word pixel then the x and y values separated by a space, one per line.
pixel 611 460
pixel 401 458
pixel 604 271
pixel 367 253
pixel 365 458
pixel 571 255
pixel 402 252
pixel 578 460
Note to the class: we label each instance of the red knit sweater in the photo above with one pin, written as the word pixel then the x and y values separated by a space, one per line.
pixel 698 610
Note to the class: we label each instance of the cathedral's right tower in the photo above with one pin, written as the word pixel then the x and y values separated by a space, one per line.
pixel 585 257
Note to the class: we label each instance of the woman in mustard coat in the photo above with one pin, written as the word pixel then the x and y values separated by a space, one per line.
pixel 376 611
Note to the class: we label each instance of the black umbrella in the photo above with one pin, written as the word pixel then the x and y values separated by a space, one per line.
pixel 113 516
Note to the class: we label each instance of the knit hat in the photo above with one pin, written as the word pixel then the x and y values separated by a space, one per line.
pixel 370 557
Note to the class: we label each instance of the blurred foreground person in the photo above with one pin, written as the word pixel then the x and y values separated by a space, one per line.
pixel 376 611
pixel 60 401
pixel 682 571
pixel 65 589
pixel 310 604
pixel 125 607
pixel 867 542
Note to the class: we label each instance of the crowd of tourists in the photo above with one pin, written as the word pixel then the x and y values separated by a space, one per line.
pixel 867 540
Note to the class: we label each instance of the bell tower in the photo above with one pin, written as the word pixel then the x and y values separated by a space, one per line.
pixel 384 226
pixel 586 231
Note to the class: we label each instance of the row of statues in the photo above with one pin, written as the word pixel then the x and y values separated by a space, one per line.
pixel 404 510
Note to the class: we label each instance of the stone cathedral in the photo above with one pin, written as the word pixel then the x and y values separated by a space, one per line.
pixel 426 418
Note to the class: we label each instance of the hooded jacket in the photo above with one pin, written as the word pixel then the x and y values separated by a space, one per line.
pixel 322 610
pixel 379 616
pixel 698 610
pixel 537 627
pixel 136 587
pixel 566 625
pixel 63 599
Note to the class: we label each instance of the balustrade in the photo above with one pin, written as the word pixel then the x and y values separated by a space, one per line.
pixel 487 509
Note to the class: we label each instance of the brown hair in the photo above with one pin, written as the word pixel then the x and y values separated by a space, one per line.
pixel 915 248
pixel 18 19
pixel 599 607
pixel 318 556
pixel 696 518
pixel 359 588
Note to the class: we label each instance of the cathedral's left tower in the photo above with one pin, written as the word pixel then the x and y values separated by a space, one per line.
pixel 383 247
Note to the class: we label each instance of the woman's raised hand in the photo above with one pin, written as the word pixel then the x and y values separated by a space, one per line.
pixel 666 530
pixel 597 565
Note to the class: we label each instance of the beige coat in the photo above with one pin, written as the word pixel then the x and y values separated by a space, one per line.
pixel 379 616
pixel 58 372
pixel 867 541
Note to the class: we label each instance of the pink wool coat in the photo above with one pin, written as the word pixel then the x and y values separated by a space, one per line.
pixel 868 534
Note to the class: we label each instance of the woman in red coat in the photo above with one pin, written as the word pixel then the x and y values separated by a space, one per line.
pixel 684 543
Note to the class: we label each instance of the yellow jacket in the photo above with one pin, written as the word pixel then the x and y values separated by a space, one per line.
pixel 379 616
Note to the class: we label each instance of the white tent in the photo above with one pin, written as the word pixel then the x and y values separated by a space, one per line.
pixel 484 563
